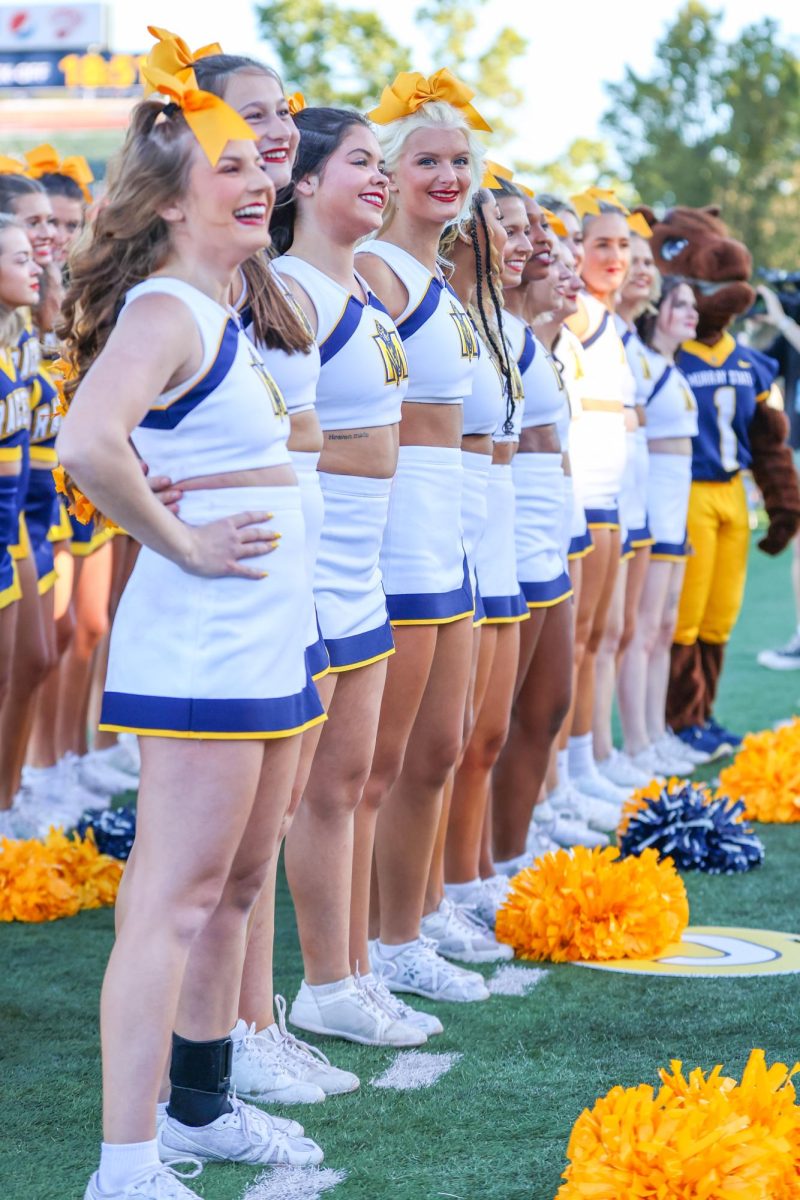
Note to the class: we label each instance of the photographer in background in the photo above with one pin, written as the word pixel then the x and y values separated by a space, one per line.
pixel 786 349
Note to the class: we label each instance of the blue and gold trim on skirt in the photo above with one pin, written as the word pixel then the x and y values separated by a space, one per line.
pixel 432 608
pixel 602 518
pixel 581 545
pixel 670 551
pixel 505 610
pixel 547 594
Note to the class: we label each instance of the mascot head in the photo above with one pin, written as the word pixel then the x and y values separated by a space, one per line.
pixel 694 243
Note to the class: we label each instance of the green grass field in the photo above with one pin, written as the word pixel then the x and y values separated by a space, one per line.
pixel 496 1126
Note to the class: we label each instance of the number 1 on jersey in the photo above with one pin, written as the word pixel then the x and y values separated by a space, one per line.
pixel 725 404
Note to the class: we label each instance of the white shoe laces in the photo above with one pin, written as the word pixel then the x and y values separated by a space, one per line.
pixel 295 1048
pixel 372 1000
pixel 167 1182
pixel 392 1003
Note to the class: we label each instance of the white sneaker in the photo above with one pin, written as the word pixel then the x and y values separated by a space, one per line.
pixel 420 970
pixel 460 934
pixel 96 773
pixel 16 823
pixel 304 1062
pixel 486 897
pixel 258 1072
pixel 650 763
pixel 576 805
pixel 670 764
pixel 122 756
pixel 427 1022
pixel 43 812
pixel 282 1124
pixel 623 771
pixel 159 1182
pixel 593 784
pixel 564 822
pixel 678 748
pixel 245 1135
pixel 52 786
pixel 352 1012
pixel 542 838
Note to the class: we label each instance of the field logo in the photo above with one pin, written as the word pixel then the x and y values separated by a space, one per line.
pixel 711 951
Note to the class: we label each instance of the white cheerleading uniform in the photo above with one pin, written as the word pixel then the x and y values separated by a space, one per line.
pixel 539 477
pixel 568 351
pixel 425 570
pixel 598 446
pixel 362 381
pixel 194 657
pixel 297 376
pixel 671 413
pixel 484 408
pixel 501 598
pixel 633 502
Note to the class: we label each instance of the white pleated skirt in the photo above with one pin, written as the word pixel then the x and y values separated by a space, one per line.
pixel 192 657
pixel 540 501
pixel 496 566
pixel 598 452
pixel 305 463
pixel 668 487
pixel 473 518
pixel 348 586
pixel 425 571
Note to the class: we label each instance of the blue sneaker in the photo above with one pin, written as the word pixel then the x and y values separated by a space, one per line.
pixel 728 742
pixel 702 740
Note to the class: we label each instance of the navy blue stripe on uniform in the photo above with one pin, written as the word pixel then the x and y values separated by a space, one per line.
pixel 504 608
pixel 601 328
pixel 425 309
pixel 528 352
pixel 432 606
pixel 547 592
pixel 670 549
pixel 342 331
pixel 626 337
pixel 660 383
pixel 170 417
pixel 360 647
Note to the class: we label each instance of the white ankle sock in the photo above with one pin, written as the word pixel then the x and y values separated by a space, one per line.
pixel 393 951
pixel 562 767
pixel 330 989
pixel 581 756
pixel 462 891
pixel 122 1162
pixel 161 1108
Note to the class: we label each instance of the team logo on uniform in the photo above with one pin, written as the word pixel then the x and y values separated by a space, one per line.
pixel 688 399
pixel 645 365
pixel 275 394
pixel 718 951
pixel 391 350
pixel 466 332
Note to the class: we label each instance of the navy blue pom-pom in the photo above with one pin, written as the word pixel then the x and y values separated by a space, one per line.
pixel 114 830
pixel 697 833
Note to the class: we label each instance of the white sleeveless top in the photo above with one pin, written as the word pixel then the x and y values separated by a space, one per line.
pixel 230 416
pixel 297 373
pixel 363 368
pixel 485 406
pixel 670 401
pixel 545 396
pixel 605 362
pixel 569 352
pixel 437 333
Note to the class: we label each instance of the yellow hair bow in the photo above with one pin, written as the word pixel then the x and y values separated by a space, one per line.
pixel 213 122
pixel 172 55
pixel 493 173
pixel 588 203
pixel 556 224
pixel 637 223
pixel 44 160
pixel 296 102
pixel 411 90
pixel 12 166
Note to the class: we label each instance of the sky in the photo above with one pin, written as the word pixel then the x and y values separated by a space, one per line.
pixel 572 51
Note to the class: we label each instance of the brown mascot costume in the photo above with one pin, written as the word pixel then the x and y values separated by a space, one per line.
pixel 737 430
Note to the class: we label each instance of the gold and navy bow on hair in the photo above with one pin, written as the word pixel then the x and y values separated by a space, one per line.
pixel 12 166
pixel 296 102
pixel 213 122
pixel 44 160
pixel 411 90
pixel 172 55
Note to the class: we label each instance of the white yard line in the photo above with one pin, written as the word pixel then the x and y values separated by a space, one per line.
pixel 294 1183
pixel 515 981
pixel 414 1069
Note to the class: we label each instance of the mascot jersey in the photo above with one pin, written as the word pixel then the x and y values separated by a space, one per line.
pixel 728 381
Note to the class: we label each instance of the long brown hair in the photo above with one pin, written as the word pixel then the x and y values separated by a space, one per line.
pixel 276 322
pixel 128 240
pixel 11 319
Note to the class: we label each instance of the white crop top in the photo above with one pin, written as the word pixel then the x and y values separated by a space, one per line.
pixel 545 395
pixel 569 352
pixel 363 368
pixel 485 405
pixel 671 404
pixel 437 333
pixel 606 366
pixel 636 354
pixel 296 374
pixel 230 416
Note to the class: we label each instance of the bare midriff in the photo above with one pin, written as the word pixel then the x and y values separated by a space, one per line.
pixel 305 432
pixel 11 467
pixel 282 476
pixel 503 452
pixel 641 414
pixel 674 445
pixel 477 443
pixel 370 453
pixel 540 439
pixel 631 420
pixel 431 424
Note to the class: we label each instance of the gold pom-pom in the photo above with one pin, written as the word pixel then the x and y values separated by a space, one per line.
pixel 592 905
pixel 766 775
pixel 696 1139
pixel 42 880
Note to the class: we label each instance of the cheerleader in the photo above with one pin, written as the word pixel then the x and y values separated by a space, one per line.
pixel 66 182
pixel 599 449
pixel 476 248
pixel 434 165
pixel 19 288
pixel 671 425
pixel 472 881
pixel 269 1064
pixel 218 688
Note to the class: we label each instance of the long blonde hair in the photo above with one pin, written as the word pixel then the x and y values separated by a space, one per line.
pixel 12 320
pixel 128 239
